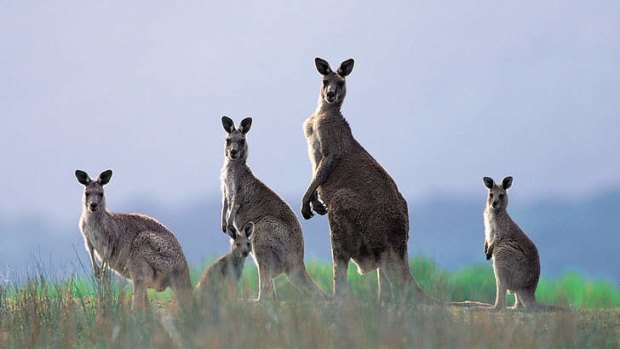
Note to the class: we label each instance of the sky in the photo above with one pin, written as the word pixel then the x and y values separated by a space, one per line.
pixel 442 94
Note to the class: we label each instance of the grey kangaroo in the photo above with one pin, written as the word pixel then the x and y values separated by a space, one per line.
pixel 135 246
pixel 515 258
pixel 368 216
pixel 225 272
pixel 277 243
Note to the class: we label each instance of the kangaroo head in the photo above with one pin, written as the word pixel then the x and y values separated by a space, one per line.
pixel 93 189
pixel 333 89
pixel 240 242
pixel 497 198
pixel 236 146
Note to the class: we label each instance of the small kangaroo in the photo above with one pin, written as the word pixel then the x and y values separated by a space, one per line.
pixel 515 258
pixel 368 216
pixel 277 243
pixel 135 246
pixel 225 272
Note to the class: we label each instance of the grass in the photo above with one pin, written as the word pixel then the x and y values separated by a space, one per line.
pixel 80 313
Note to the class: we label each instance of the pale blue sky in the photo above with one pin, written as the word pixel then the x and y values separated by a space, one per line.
pixel 442 93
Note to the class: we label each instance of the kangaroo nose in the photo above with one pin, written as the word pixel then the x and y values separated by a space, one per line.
pixel 331 94
pixel 245 253
pixel 494 204
pixel 93 206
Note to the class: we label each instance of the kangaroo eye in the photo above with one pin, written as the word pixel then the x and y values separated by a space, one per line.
pixel 340 83
pixel 227 141
pixel 501 196
pixel 325 82
pixel 87 194
pixel 242 141
pixel 491 195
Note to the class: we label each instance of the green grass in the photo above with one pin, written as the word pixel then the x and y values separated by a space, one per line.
pixel 470 283
pixel 79 312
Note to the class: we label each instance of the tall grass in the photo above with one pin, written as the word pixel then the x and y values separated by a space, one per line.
pixel 470 283
pixel 84 313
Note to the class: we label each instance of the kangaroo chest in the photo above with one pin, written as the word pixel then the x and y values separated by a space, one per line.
pixel 95 234
pixel 314 145
pixel 492 228
pixel 234 183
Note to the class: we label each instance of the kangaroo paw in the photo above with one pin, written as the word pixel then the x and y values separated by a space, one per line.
pixel 319 207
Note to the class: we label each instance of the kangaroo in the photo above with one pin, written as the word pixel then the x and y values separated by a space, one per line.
pixel 277 243
pixel 135 246
pixel 225 272
pixel 516 264
pixel 368 216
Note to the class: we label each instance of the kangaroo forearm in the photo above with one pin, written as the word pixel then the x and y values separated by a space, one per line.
pixel 233 213
pixel 324 169
pixel 224 211
pixel 96 268
pixel 91 252
pixel 489 249
pixel 322 173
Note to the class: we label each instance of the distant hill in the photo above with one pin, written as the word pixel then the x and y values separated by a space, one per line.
pixel 582 236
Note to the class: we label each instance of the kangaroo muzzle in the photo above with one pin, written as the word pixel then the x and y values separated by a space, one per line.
pixel 330 95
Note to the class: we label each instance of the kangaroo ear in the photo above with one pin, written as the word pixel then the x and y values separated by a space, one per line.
pixel 104 177
pixel 488 182
pixel 507 182
pixel 248 229
pixel 346 67
pixel 82 177
pixel 228 124
pixel 232 232
pixel 322 66
pixel 245 125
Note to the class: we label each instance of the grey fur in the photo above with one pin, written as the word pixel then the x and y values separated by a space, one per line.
pixel 515 258
pixel 225 272
pixel 135 246
pixel 277 243
pixel 368 216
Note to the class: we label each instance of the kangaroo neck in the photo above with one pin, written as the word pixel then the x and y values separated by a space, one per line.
pixel 238 167
pixel 234 164
pixel 97 217
pixel 237 262
pixel 329 109
pixel 497 215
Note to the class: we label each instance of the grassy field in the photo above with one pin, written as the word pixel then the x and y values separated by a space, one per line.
pixel 81 313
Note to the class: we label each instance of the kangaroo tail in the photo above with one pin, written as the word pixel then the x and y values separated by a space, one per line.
pixel 548 307
pixel 470 304
pixel 302 280
pixel 419 295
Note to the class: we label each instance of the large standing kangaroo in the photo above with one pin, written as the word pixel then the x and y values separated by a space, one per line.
pixel 368 217
pixel 277 242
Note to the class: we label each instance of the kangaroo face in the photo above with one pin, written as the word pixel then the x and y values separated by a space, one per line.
pixel 236 146
pixel 333 89
pixel 93 198
pixel 240 242
pixel 497 198
pixel 241 246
